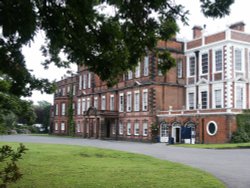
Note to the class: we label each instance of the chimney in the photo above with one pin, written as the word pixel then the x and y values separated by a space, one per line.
pixel 197 32
pixel 239 26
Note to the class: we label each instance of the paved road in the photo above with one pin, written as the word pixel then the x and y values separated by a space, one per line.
pixel 230 166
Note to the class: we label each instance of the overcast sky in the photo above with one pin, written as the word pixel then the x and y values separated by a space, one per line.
pixel 239 12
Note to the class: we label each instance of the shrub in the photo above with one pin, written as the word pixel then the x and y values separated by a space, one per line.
pixel 240 136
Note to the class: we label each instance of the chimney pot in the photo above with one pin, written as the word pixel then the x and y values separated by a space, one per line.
pixel 197 32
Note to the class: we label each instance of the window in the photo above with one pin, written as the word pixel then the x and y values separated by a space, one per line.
pixel 218 60
pixel 204 63
pixel 63 91
pixel 146 60
pixel 137 101
pixel 145 100
pixel 113 128
pixel 191 101
pixel 138 70
pixel 164 129
pixel 121 102
pixel 179 69
pixel 79 107
pixel 68 89
pixel 120 128
pixel 63 109
pixel 239 97
pixel 204 99
pixel 56 126
pixel 238 60
pixel 74 89
pixel 83 106
pixel 78 128
pixel 112 102
pixel 103 103
pixel 128 128
pixel 130 75
pixel 145 129
pixel 62 126
pixel 56 110
pixel 89 80
pixel 191 66
pixel 212 128
pixel 96 102
pixel 129 102
pixel 136 128
pixel 217 98
pixel 88 103
pixel 84 81
pixel 80 82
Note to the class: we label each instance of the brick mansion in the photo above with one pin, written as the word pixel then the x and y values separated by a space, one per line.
pixel 194 102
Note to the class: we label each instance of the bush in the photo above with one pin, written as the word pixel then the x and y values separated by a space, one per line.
pixel 240 136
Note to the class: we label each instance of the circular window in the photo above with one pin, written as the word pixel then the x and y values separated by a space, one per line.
pixel 212 128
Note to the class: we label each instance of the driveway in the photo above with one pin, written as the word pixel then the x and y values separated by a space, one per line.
pixel 230 166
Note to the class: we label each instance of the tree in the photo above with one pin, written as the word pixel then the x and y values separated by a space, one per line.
pixel 42 111
pixel 108 44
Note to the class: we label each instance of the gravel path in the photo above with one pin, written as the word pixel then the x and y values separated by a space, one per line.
pixel 230 166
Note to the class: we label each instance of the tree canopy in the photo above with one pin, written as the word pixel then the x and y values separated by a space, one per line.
pixel 109 44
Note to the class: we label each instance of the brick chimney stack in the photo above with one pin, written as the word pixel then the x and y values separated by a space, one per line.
pixel 197 32
pixel 239 26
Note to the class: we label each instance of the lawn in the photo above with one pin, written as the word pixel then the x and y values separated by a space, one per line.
pixel 47 165
pixel 217 146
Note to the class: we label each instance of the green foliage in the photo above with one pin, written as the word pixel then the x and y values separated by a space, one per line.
pixel 42 111
pixel 243 131
pixel 240 136
pixel 104 168
pixel 10 172
pixel 217 8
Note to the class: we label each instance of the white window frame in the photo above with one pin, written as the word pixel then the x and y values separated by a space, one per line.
pixel 120 128
pixel 79 107
pixel 216 87
pixel 56 126
pixel 179 68
pixel 128 128
pixel 158 67
pixel 88 103
pixel 103 107
pixel 96 102
pixel 84 81
pixel 129 101
pixel 57 110
pixel 203 89
pixel 243 97
pixel 138 70
pixel 78 127
pixel 190 90
pixel 146 65
pixel 112 102
pixel 63 109
pixel 80 82
pixel 188 68
pixel 83 105
pixel 136 128
pixel 63 91
pixel 68 89
pixel 121 102
pixel 145 100
pixel 201 63
pixel 145 128
pixel 241 58
pixel 74 89
pixel 62 126
pixel 89 80
pixel 215 67
pixel 137 101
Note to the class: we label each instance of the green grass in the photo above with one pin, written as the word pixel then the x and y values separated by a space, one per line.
pixel 216 146
pixel 59 166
